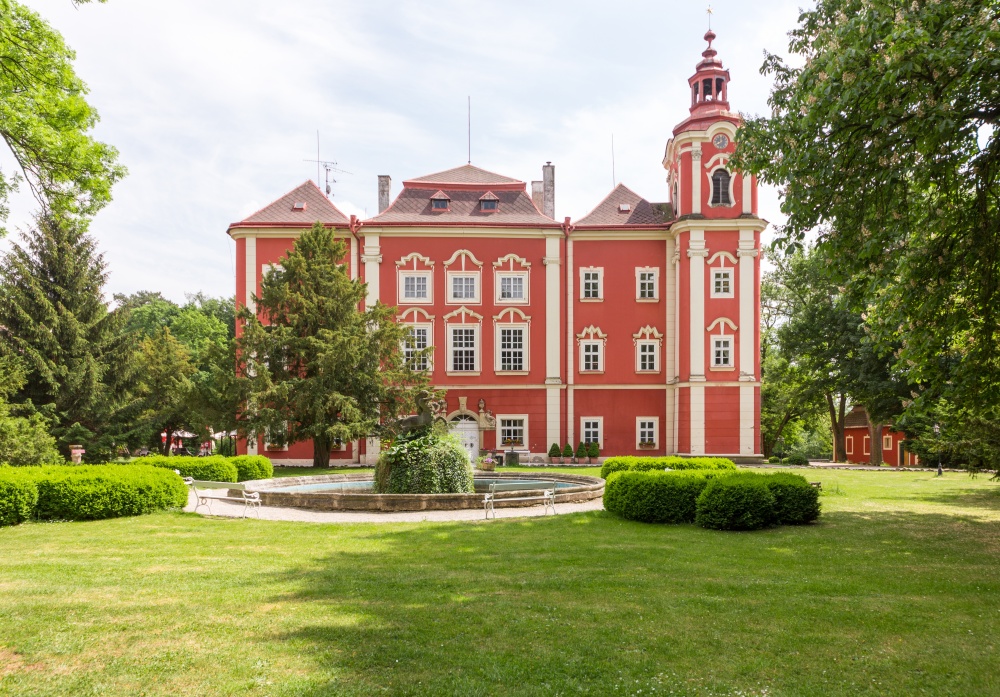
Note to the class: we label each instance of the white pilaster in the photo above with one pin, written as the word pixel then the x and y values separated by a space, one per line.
pixel 553 335
pixel 697 419
pixel 251 272
pixel 748 340
pixel 570 343
pixel 696 175
pixel 372 258
pixel 696 254
pixel 553 417
pixel 670 346
pixel 354 259
pixel 747 200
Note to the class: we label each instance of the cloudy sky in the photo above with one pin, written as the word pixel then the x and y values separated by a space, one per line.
pixel 215 105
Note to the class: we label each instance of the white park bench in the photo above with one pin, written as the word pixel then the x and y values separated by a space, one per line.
pixel 546 496
pixel 203 492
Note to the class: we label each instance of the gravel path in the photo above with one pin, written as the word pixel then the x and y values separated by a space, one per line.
pixel 235 510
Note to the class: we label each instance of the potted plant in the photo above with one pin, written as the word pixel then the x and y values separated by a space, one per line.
pixel 568 454
pixel 555 454
pixel 647 444
pixel 581 451
pixel 487 463
pixel 593 452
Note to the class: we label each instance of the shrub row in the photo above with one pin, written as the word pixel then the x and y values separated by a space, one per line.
pixel 87 492
pixel 214 468
pixel 645 464
pixel 716 499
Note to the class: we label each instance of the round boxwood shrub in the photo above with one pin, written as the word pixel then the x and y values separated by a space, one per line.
pixel 797 459
pixel 424 463
pixel 250 467
pixel 214 468
pixel 654 497
pixel 18 497
pixel 91 492
pixel 773 460
pixel 796 501
pixel 736 502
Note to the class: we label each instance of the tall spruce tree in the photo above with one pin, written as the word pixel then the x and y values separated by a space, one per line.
pixel 312 364
pixel 79 363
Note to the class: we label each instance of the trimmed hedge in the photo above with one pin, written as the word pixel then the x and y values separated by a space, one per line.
pixel 654 497
pixel 18 497
pixel 250 467
pixel 645 464
pixel 796 501
pixel 737 502
pixel 92 492
pixel 719 499
pixel 214 468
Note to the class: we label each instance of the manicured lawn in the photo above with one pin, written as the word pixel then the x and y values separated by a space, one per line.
pixel 314 471
pixel 892 593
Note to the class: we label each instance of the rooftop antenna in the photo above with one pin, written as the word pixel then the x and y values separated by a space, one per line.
pixel 329 165
pixel 709 12
pixel 614 180
pixel 469 124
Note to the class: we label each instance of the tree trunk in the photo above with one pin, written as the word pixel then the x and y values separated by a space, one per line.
pixel 768 447
pixel 837 426
pixel 875 434
pixel 321 451
pixel 165 446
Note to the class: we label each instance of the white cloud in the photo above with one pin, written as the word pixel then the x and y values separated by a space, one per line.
pixel 215 106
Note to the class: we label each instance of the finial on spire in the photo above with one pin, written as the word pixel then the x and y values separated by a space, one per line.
pixel 709 12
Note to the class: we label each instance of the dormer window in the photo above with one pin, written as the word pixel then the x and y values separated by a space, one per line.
pixel 624 208
pixel 299 206
pixel 440 202
pixel 489 202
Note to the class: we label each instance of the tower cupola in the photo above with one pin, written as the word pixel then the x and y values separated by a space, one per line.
pixel 710 83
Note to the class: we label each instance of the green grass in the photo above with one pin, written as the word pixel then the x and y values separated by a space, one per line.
pixel 314 471
pixel 892 593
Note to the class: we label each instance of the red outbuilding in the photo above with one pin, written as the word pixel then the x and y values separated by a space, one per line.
pixel 635 326
pixel 858 444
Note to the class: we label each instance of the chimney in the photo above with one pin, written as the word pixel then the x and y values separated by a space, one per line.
pixel 384 184
pixel 549 190
pixel 536 195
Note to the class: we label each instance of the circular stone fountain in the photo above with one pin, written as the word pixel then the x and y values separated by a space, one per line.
pixel 353 492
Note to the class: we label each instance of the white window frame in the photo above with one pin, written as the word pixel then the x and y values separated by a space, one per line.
pixel 600 356
pixel 732 351
pixel 639 271
pixel 867 445
pixel 429 328
pixel 477 334
pixel 512 417
pixel 499 276
pixel 413 273
pixel 497 348
pixel 849 445
pixel 719 273
pixel 655 420
pixel 711 188
pixel 271 447
pixel 599 270
pixel 266 269
pixel 639 344
pixel 476 298
pixel 600 429
pixel 887 442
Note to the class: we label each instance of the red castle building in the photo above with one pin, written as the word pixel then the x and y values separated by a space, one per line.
pixel 635 326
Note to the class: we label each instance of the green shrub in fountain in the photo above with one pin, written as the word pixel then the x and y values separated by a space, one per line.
pixel 424 462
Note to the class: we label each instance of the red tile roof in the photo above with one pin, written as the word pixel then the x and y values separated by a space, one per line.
pixel 466 174
pixel 856 417
pixel 283 212
pixel 608 212
pixel 414 206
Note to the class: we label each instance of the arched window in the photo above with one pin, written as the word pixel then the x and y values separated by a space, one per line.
pixel 720 188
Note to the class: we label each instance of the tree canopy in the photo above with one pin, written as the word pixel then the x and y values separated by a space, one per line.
pixel 46 121
pixel 312 364
pixel 883 141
